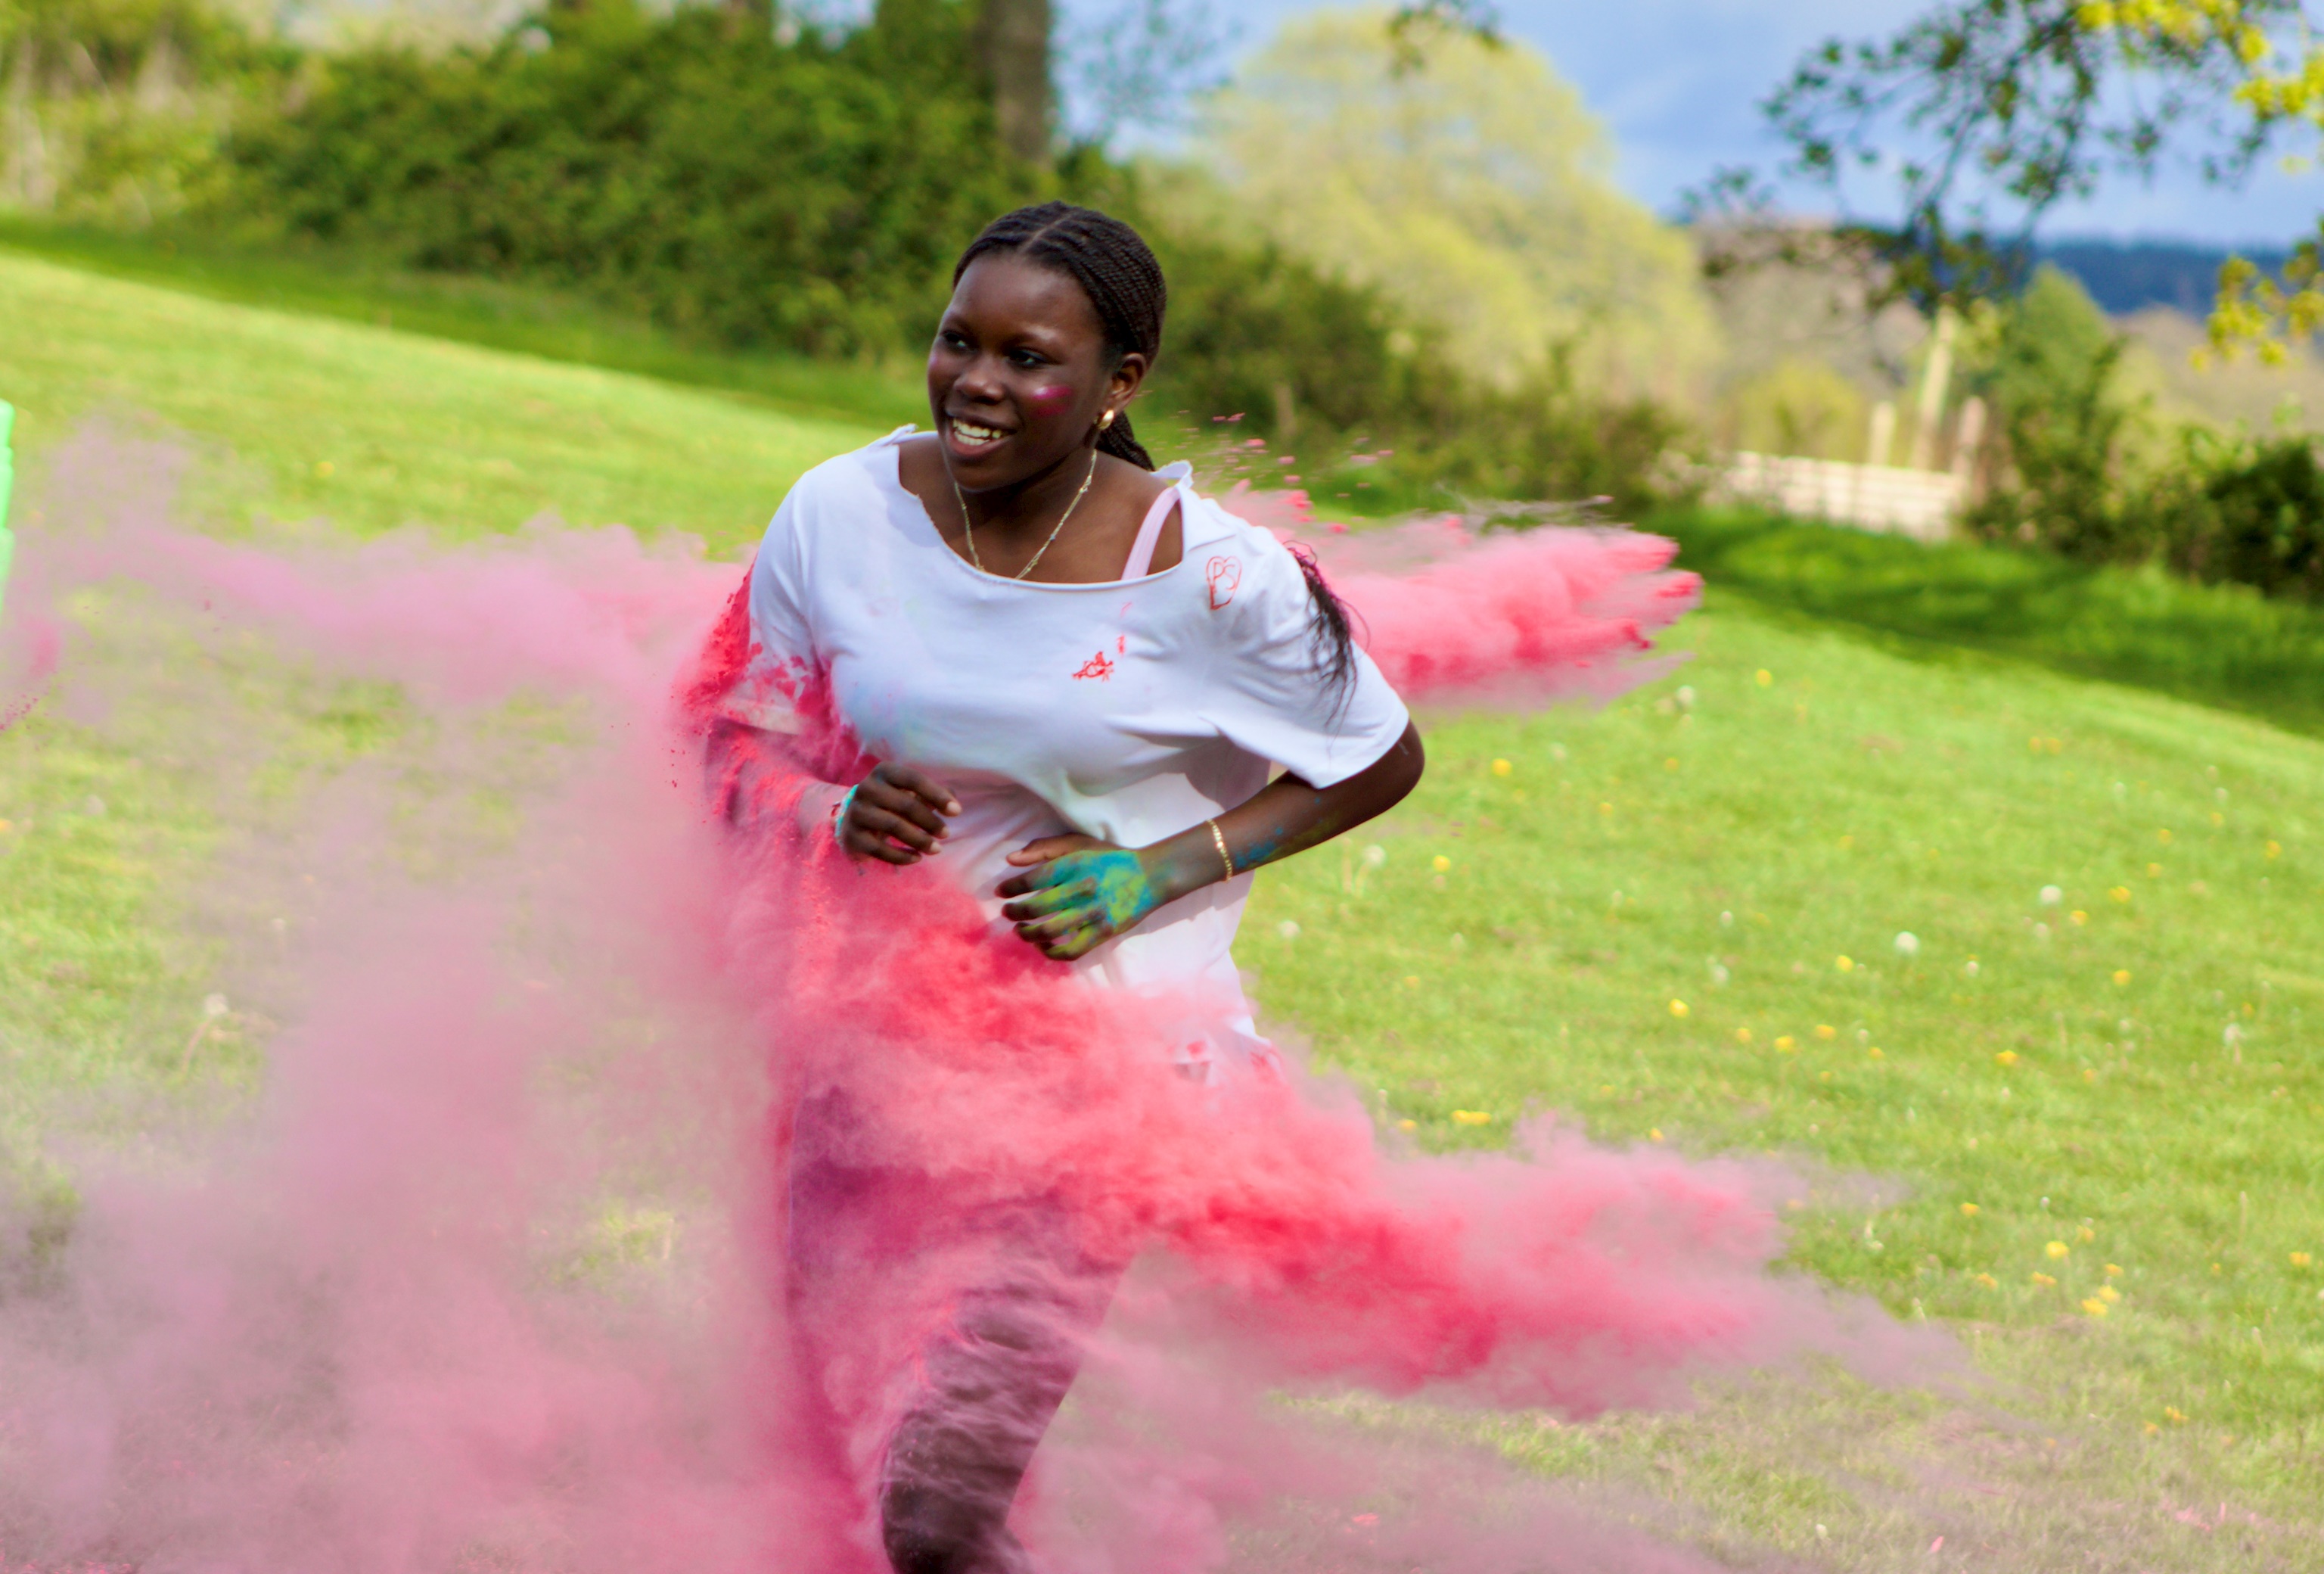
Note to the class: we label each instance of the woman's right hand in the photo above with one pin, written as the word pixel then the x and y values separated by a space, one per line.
pixel 897 815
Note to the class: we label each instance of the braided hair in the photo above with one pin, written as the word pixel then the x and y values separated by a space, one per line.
pixel 1117 270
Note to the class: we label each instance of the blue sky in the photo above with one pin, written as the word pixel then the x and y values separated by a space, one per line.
pixel 1678 81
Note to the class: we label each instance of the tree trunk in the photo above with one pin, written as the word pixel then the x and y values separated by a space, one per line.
pixel 745 17
pixel 26 176
pixel 1013 38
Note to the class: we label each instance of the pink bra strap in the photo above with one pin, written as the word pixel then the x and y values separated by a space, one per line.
pixel 1150 536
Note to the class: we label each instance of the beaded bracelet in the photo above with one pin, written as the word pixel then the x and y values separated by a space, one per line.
pixel 1219 839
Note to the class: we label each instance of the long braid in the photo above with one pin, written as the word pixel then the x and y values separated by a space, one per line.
pixel 1117 271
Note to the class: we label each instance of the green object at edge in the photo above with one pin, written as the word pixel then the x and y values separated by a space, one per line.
pixel 7 482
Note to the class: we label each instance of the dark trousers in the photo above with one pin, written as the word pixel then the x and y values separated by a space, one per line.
pixel 997 1303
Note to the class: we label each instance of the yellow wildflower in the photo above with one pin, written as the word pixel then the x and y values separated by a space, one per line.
pixel 2163 837
pixel 2094 1307
pixel 2078 916
pixel 2057 1249
pixel 2152 1428
pixel 2007 1058
pixel 1845 964
pixel 1412 980
pixel 1439 863
pixel 2122 975
pixel 1605 808
pixel 1408 1126
pixel 2155 871
pixel 2109 1294
pixel 1742 1035
pixel 1874 1053
pixel 1762 677
pixel 1826 1031
pixel 1472 1117
pixel 2174 1415
pixel 2044 1281
pixel 2084 1235
pixel 1502 767
pixel 1653 1133
pixel 2273 849
pixel 2301 1259
pixel 1678 1008
pixel 1786 1042
pixel 2119 893
pixel 1988 1281
pixel 1968 1210
pixel 2114 1270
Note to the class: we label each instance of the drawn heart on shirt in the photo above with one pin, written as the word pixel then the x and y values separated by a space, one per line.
pixel 1224 574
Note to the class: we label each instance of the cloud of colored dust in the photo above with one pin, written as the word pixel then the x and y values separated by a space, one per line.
pixel 487 1270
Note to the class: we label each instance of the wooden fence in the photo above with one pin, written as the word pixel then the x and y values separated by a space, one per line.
pixel 1889 498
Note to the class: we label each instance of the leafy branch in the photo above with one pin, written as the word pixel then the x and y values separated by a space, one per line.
pixel 1983 115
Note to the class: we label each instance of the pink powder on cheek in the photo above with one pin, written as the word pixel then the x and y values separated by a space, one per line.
pixel 1051 399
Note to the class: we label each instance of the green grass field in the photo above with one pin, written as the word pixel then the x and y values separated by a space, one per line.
pixel 2080 1131
pixel 297 417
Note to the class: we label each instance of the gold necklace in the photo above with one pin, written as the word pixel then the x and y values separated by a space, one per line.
pixel 969 527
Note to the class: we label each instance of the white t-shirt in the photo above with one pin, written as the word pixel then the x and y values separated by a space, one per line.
pixel 1128 710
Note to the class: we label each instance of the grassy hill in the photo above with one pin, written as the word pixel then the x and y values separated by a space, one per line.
pixel 297 416
pixel 1794 898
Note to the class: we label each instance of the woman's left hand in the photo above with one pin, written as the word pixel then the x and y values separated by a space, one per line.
pixel 1080 893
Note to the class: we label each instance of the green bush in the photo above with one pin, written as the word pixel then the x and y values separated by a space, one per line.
pixel 117 108
pixel 2247 511
pixel 1546 437
pixel 2050 369
pixel 2215 508
pixel 1264 339
pixel 811 195
pixel 1256 333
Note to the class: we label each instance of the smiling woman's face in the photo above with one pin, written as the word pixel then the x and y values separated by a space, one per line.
pixel 1018 374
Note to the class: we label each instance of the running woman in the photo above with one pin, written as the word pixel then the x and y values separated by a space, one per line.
pixel 1096 700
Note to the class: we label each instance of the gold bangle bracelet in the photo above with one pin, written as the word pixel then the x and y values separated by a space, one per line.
pixel 1220 839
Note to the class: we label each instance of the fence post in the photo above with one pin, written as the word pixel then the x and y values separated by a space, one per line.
pixel 1933 378
pixel 1967 436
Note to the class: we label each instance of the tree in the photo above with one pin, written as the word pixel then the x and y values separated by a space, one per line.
pixel 2048 361
pixel 1469 186
pixel 1984 113
pixel 1012 46
pixel 113 108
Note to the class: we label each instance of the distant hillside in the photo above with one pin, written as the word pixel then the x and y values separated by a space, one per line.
pixel 2127 277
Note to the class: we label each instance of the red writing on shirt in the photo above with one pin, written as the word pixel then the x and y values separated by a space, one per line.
pixel 1098 666
pixel 1224 574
